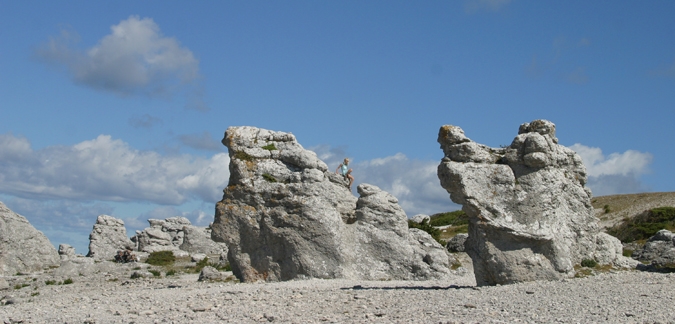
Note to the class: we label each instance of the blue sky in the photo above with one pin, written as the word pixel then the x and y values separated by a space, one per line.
pixel 118 107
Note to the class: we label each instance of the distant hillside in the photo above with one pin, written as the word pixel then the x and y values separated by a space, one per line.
pixel 630 205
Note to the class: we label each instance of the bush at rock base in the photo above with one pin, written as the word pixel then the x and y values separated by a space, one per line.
pixel 645 225
pixel 434 232
pixel 454 218
pixel 161 258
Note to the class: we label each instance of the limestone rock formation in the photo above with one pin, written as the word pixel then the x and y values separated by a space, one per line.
pixel 178 235
pixel 530 213
pixel 107 237
pixel 22 247
pixel 659 250
pixel 285 216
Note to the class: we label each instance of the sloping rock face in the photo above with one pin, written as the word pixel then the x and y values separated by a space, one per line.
pixel 530 213
pixel 107 237
pixel 285 216
pixel 22 247
pixel 178 235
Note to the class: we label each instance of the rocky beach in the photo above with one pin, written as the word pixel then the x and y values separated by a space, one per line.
pixel 617 297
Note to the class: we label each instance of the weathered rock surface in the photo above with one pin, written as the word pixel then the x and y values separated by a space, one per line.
pixel 456 243
pixel 285 216
pixel 659 250
pixel 107 237
pixel 22 247
pixel 178 235
pixel 530 213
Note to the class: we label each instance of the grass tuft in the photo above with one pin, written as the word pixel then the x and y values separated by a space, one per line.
pixel 269 147
pixel 269 177
pixel 161 258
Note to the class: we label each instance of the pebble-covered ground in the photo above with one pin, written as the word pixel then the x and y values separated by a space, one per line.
pixel 624 296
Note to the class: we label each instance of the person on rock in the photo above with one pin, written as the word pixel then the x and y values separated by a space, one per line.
pixel 346 172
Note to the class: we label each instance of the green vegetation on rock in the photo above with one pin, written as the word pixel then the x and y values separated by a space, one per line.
pixel 434 232
pixel 269 147
pixel 645 225
pixel 269 177
pixel 454 218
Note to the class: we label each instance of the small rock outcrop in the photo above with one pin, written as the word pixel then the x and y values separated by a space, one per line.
pixel 22 247
pixel 456 243
pixel 107 237
pixel 659 250
pixel 178 235
pixel 530 212
pixel 285 216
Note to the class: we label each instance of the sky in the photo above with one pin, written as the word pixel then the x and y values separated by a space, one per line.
pixel 118 107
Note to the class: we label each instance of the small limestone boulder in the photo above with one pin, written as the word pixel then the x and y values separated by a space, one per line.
pixel 209 273
pixel 142 274
pixel 107 237
pixel 66 250
pixel 198 257
pixel 22 247
pixel 420 218
pixel 659 250
pixel 456 243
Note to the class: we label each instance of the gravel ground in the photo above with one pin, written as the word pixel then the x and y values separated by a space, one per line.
pixel 624 296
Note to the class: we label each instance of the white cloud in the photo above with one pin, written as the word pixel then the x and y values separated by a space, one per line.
pixel 471 6
pixel 616 173
pixel 134 59
pixel 413 182
pixel 108 170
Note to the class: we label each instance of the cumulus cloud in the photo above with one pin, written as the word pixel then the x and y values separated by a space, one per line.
pixel 203 141
pixel 413 182
pixel 108 170
pixel 134 59
pixel 471 6
pixel 616 173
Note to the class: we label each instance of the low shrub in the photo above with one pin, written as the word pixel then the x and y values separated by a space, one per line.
pixel 434 232
pixel 19 286
pixel 269 147
pixel 588 263
pixel 171 272
pixel 645 225
pixel 454 218
pixel 50 282
pixel 155 273
pixel 68 281
pixel 161 258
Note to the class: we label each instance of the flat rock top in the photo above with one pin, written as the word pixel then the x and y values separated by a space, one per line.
pixel 625 296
